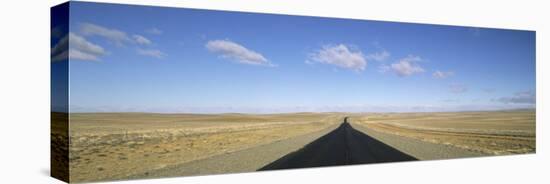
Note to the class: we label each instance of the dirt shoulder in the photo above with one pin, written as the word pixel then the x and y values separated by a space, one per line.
pixel 419 149
pixel 246 160
pixel 486 143
pixel 111 147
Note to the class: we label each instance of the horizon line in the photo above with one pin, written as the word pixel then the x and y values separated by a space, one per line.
pixel 296 112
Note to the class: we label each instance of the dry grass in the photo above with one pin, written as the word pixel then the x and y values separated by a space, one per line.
pixel 495 133
pixel 114 145
pixel 106 146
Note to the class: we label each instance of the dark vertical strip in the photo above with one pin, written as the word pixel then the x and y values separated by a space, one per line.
pixel 59 121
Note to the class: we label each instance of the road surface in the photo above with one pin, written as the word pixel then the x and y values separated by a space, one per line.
pixel 343 146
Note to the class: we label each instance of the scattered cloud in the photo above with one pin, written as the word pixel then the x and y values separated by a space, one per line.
pixel 80 48
pixel 75 47
pixel 114 35
pixel 151 52
pixel 340 55
pixel 154 31
pixel 75 54
pixel 458 88
pixel 58 31
pixel 404 67
pixel 522 97
pixel 60 57
pixel 379 56
pixel 442 75
pixel 358 108
pixel 120 38
pixel 236 52
pixel 141 40
pixel 60 50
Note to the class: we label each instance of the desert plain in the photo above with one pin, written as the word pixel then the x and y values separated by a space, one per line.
pixel 118 146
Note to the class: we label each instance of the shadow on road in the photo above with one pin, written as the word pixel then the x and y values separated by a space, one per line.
pixel 342 146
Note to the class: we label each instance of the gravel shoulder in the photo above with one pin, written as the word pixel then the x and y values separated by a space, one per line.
pixel 419 149
pixel 254 158
pixel 247 160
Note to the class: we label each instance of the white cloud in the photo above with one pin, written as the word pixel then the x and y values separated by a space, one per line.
pixel 458 88
pixel 60 57
pixel 78 49
pixel 151 52
pixel 237 52
pixel 341 56
pixel 75 54
pixel 154 31
pixel 141 40
pixel 116 36
pixel 522 97
pixel 379 56
pixel 406 66
pixel 60 49
pixel 442 75
pixel 80 43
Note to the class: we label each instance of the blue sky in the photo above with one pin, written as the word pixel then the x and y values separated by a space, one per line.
pixel 151 59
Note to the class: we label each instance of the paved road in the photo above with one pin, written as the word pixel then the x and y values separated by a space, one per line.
pixel 343 146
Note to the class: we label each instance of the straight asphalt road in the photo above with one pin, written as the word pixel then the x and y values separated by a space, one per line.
pixel 343 146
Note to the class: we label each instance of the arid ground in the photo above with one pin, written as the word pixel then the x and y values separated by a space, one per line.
pixel 492 133
pixel 107 146
pixel 116 146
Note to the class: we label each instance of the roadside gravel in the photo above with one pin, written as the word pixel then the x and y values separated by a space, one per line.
pixel 419 149
pixel 247 160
